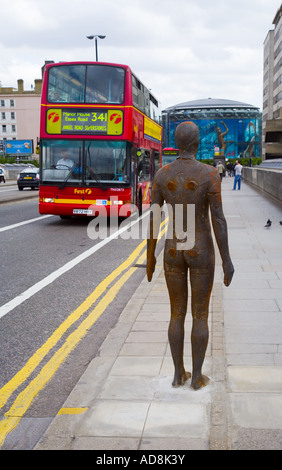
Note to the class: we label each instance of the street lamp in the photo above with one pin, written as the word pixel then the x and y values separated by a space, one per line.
pixel 96 43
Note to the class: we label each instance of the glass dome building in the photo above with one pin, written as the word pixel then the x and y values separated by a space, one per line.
pixel 228 129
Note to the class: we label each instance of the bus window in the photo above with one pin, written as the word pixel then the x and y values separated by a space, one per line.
pixel 61 160
pixel 139 99
pixel 144 166
pixel 156 162
pixel 105 84
pixel 66 84
pixel 155 110
pixel 107 161
pixel 169 154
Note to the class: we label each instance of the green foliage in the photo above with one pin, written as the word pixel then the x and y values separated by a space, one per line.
pixel 243 161
pixel 207 161
pixel 4 160
pixel 246 161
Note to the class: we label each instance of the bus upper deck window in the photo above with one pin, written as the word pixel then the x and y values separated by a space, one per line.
pixel 66 83
pixel 105 84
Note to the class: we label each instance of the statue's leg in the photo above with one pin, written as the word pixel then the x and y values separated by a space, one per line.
pixel 178 293
pixel 201 285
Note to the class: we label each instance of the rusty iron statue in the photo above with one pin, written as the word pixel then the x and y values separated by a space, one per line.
pixel 190 189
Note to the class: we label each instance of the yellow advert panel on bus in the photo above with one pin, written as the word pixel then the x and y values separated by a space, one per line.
pixel 152 130
pixel 69 121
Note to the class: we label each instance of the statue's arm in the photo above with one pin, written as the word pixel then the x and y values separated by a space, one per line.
pixel 221 235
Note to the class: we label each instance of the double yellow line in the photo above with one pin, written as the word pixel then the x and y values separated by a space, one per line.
pixel 22 402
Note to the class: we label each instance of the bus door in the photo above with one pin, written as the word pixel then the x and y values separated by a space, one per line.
pixel 155 166
pixel 144 169
pixel 134 175
pixel 155 163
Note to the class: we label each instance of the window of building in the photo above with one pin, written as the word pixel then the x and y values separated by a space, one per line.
pixel 4 128
pixel 3 116
pixel 12 103
pixel 13 115
pixel 13 128
pixel 2 103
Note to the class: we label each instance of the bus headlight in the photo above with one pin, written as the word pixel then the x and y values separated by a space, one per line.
pixel 48 199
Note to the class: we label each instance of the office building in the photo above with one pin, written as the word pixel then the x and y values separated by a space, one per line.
pixel 272 91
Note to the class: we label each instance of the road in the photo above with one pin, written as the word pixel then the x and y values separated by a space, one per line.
pixel 9 192
pixel 57 306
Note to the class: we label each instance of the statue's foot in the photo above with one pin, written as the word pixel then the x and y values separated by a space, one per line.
pixel 200 381
pixel 178 381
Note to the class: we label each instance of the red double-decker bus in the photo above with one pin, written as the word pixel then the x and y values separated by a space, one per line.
pixel 100 140
pixel 169 154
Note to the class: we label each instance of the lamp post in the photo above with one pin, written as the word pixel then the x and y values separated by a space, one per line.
pixel 96 36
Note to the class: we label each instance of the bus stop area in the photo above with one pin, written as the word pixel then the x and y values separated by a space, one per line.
pixel 125 401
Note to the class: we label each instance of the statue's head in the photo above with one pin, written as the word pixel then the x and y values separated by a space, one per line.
pixel 187 137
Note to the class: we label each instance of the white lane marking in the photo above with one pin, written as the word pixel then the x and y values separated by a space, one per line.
pixel 6 308
pixel 10 227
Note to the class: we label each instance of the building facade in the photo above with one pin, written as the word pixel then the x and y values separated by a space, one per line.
pixel 20 113
pixel 229 129
pixel 272 91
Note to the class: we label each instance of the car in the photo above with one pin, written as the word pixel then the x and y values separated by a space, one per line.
pixel 28 178
pixel 2 175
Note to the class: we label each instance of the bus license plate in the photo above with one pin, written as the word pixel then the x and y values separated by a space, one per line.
pixel 83 211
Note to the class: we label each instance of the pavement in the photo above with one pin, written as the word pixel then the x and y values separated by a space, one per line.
pixel 125 401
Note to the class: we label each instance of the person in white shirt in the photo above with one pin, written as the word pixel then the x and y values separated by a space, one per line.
pixel 238 174
pixel 64 163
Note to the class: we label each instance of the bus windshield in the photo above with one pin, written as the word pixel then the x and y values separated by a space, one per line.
pixel 89 162
pixel 86 84
pixel 169 155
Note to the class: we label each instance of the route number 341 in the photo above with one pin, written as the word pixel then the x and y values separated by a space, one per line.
pixel 99 117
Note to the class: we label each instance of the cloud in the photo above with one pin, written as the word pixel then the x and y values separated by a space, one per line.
pixel 22 19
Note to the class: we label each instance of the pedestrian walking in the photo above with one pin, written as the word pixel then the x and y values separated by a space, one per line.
pixel 220 170
pixel 238 175
pixel 230 167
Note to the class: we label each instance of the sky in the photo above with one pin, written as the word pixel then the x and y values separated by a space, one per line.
pixel 182 50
